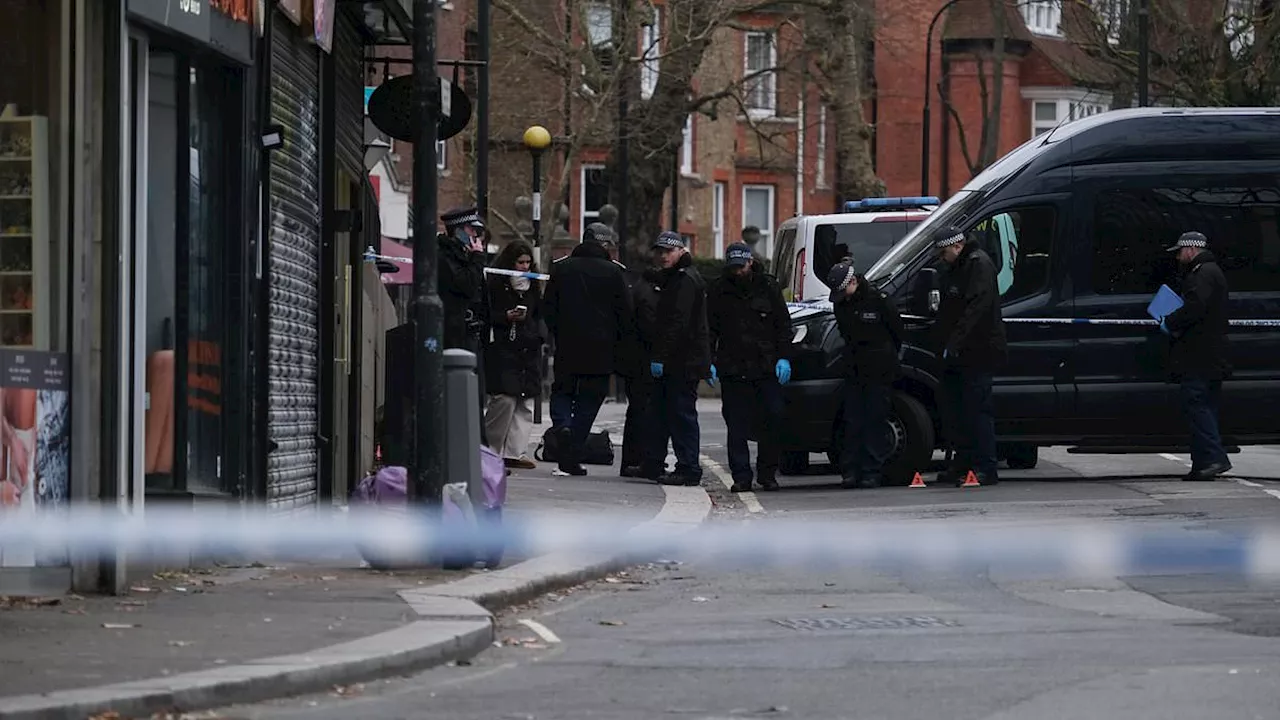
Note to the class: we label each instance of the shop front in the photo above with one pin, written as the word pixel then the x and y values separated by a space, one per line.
pixel 35 232
pixel 186 229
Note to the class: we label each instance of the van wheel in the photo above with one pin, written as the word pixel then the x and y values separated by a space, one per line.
pixel 912 438
pixel 1022 456
pixel 793 463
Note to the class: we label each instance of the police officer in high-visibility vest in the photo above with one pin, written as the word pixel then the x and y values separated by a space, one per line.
pixel 872 330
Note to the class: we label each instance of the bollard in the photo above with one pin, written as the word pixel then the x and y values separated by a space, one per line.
pixel 462 422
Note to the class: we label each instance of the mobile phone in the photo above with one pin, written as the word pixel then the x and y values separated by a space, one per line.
pixel 522 309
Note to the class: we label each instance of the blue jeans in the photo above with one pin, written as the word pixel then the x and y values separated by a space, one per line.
pixel 1200 406
pixel 866 430
pixel 747 405
pixel 575 402
pixel 673 415
pixel 966 398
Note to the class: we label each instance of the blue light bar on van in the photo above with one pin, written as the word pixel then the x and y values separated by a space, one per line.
pixel 898 203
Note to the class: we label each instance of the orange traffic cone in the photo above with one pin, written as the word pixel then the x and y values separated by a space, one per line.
pixel 971 480
pixel 918 481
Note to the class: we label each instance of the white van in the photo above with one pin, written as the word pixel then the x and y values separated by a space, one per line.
pixel 807 246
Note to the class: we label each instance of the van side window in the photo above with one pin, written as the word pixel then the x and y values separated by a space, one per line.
pixel 784 261
pixel 1132 228
pixel 1018 242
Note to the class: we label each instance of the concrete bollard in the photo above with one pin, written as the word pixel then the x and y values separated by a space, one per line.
pixel 462 425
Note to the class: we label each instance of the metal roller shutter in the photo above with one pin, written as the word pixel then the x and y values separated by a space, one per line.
pixel 293 362
pixel 348 64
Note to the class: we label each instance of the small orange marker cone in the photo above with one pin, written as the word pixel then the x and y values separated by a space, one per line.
pixel 971 480
pixel 917 481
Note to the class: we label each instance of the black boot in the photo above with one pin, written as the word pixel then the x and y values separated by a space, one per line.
pixel 768 482
pixel 569 454
pixel 741 486
pixel 869 481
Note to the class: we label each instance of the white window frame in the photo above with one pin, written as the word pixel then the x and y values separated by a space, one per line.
pixel 717 217
pixel 651 52
pixel 766 233
pixel 585 216
pixel 1069 104
pixel 597 42
pixel 1043 17
pixel 1238 24
pixel 760 93
pixel 820 168
pixel 442 154
pixel 686 146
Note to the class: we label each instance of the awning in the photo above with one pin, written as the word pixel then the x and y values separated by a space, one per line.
pixel 404 275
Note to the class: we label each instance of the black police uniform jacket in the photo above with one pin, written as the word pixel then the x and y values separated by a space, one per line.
pixel 749 326
pixel 639 344
pixel 969 326
pixel 514 350
pixel 680 337
pixel 588 311
pixel 461 288
pixel 1200 326
pixel 872 330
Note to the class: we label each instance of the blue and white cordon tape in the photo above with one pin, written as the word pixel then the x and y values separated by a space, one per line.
pixel 371 256
pixel 813 307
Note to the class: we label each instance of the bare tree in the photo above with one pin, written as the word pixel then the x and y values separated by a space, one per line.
pixel 990 92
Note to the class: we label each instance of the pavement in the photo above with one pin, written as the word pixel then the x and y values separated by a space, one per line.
pixel 695 637
pixel 202 638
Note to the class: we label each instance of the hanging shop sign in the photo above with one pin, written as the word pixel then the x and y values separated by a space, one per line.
pixel 324 11
pixel 390 107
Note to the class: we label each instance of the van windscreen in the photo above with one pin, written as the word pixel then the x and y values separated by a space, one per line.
pixel 866 242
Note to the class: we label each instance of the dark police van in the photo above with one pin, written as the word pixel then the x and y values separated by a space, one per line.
pixel 1077 221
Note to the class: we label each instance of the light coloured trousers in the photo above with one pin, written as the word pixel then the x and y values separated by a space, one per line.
pixel 508 422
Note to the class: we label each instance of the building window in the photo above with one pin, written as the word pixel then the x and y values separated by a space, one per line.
pixel 650 50
pixel 686 147
pixel 593 195
pixel 1043 17
pixel 442 154
pixel 1112 15
pixel 1049 114
pixel 758 211
pixel 1238 23
pixel 821 170
pixel 598 23
pixel 760 79
pixel 717 219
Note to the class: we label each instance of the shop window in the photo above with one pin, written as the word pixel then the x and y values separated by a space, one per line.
pixel 1133 227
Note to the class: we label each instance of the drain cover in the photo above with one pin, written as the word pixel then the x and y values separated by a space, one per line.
pixel 925 622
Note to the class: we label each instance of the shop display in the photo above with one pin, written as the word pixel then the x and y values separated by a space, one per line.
pixel 24 231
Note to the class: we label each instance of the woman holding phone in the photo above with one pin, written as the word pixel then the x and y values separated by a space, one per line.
pixel 512 358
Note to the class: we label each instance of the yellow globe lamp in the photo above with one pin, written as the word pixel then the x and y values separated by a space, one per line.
pixel 537 138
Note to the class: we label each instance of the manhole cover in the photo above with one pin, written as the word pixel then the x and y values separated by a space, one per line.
pixel 925 622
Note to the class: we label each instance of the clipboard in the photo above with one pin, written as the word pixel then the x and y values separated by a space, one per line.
pixel 1165 303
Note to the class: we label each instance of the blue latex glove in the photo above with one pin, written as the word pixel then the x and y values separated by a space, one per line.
pixel 655 369
pixel 714 377
pixel 783 370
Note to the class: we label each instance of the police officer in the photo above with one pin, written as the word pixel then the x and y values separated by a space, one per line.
pixel 1198 357
pixel 679 359
pixel 750 331
pixel 872 330
pixel 461 285
pixel 969 336
pixel 635 369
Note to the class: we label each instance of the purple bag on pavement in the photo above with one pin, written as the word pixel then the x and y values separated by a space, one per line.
pixel 493 472
pixel 389 486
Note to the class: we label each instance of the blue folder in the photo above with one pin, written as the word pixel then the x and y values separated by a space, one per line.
pixel 1164 303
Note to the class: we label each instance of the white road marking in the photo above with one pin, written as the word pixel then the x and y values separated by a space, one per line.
pixel 1273 493
pixel 542 631
pixel 1175 458
pixel 748 498
pixel 1247 483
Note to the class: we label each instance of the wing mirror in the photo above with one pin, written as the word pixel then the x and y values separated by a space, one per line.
pixel 927 294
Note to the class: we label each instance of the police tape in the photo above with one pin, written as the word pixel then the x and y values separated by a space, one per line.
pixel 801 310
pixel 371 256
pixel 1032 544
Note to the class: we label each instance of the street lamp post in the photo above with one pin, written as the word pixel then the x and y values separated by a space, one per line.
pixel 427 483
pixel 537 139
pixel 1144 52
pixel 926 120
